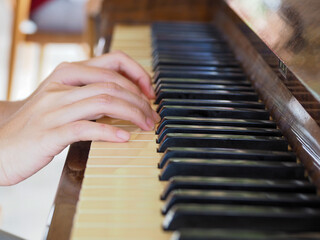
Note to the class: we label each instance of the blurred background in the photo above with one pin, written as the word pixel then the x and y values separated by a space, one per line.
pixel 35 36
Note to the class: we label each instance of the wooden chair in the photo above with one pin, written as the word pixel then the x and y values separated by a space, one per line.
pixel 22 12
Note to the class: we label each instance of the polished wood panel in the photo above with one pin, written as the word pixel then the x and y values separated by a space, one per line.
pixel 147 11
pixel 68 191
pixel 301 130
pixel 291 29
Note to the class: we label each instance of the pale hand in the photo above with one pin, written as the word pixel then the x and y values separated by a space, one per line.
pixel 58 113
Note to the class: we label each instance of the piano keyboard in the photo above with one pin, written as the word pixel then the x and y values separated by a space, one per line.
pixel 222 163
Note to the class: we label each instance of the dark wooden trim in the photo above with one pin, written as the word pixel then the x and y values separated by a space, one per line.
pixel 67 196
pixel 300 129
pixel 147 11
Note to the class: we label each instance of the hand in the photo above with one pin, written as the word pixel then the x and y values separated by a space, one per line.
pixel 58 113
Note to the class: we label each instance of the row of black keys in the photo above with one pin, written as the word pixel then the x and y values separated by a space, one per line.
pixel 228 164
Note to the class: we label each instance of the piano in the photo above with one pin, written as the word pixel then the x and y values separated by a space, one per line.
pixel 237 152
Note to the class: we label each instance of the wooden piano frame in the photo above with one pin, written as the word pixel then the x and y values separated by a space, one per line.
pixel 301 130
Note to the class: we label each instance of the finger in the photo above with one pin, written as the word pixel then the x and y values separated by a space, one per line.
pixel 114 90
pixel 122 63
pixel 80 75
pixel 97 107
pixel 87 131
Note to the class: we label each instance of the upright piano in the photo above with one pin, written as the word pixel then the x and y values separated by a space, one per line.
pixel 237 152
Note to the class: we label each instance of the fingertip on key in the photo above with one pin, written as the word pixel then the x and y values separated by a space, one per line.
pixel 150 123
pixel 156 116
pixel 123 135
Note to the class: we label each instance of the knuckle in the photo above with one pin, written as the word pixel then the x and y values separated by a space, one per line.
pixel 136 112
pixel 52 86
pixel 112 87
pixel 77 129
pixel 104 99
pixel 145 105
pixel 106 72
pixel 109 74
pixel 118 53
pixel 53 90
pixel 63 65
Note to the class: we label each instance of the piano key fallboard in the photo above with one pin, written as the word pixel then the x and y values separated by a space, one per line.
pixel 216 163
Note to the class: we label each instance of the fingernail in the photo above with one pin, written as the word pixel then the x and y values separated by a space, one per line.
pixel 150 122
pixel 156 116
pixel 123 135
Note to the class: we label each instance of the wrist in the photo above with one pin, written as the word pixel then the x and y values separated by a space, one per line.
pixel 9 108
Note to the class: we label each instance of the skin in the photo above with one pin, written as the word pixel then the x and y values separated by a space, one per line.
pixel 58 113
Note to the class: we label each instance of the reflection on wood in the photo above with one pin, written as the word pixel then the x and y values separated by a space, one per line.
pixel 291 28
pixel 301 130
pixel 68 191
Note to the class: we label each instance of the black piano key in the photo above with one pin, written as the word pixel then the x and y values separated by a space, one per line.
pixel 217 130
pixel 186 37
pixel 164 86
pixel 216 153
pixel 194 54
pixel 213 112
pixel 189 35
pixel 207 39
pixel 172 49
pixel 160 59
pixel 196 68
pixel 203 81
pixel 200 74
pixel 186 32
pixel 225 234
pixel 211 86
pixel 205 94
pixel 176 51
pixel 209 103
pixel 164 43
pixel 242 217
pixel 223 141
pixel 231 168
pixel 179 26
pixel 217 48
pixel 214 122
pixel 170 38
pixel 240 184
pixel 185 29
pixel 240 198
pixel 162 40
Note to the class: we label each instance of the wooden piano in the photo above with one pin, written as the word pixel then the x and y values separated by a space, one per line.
pixel 239 142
